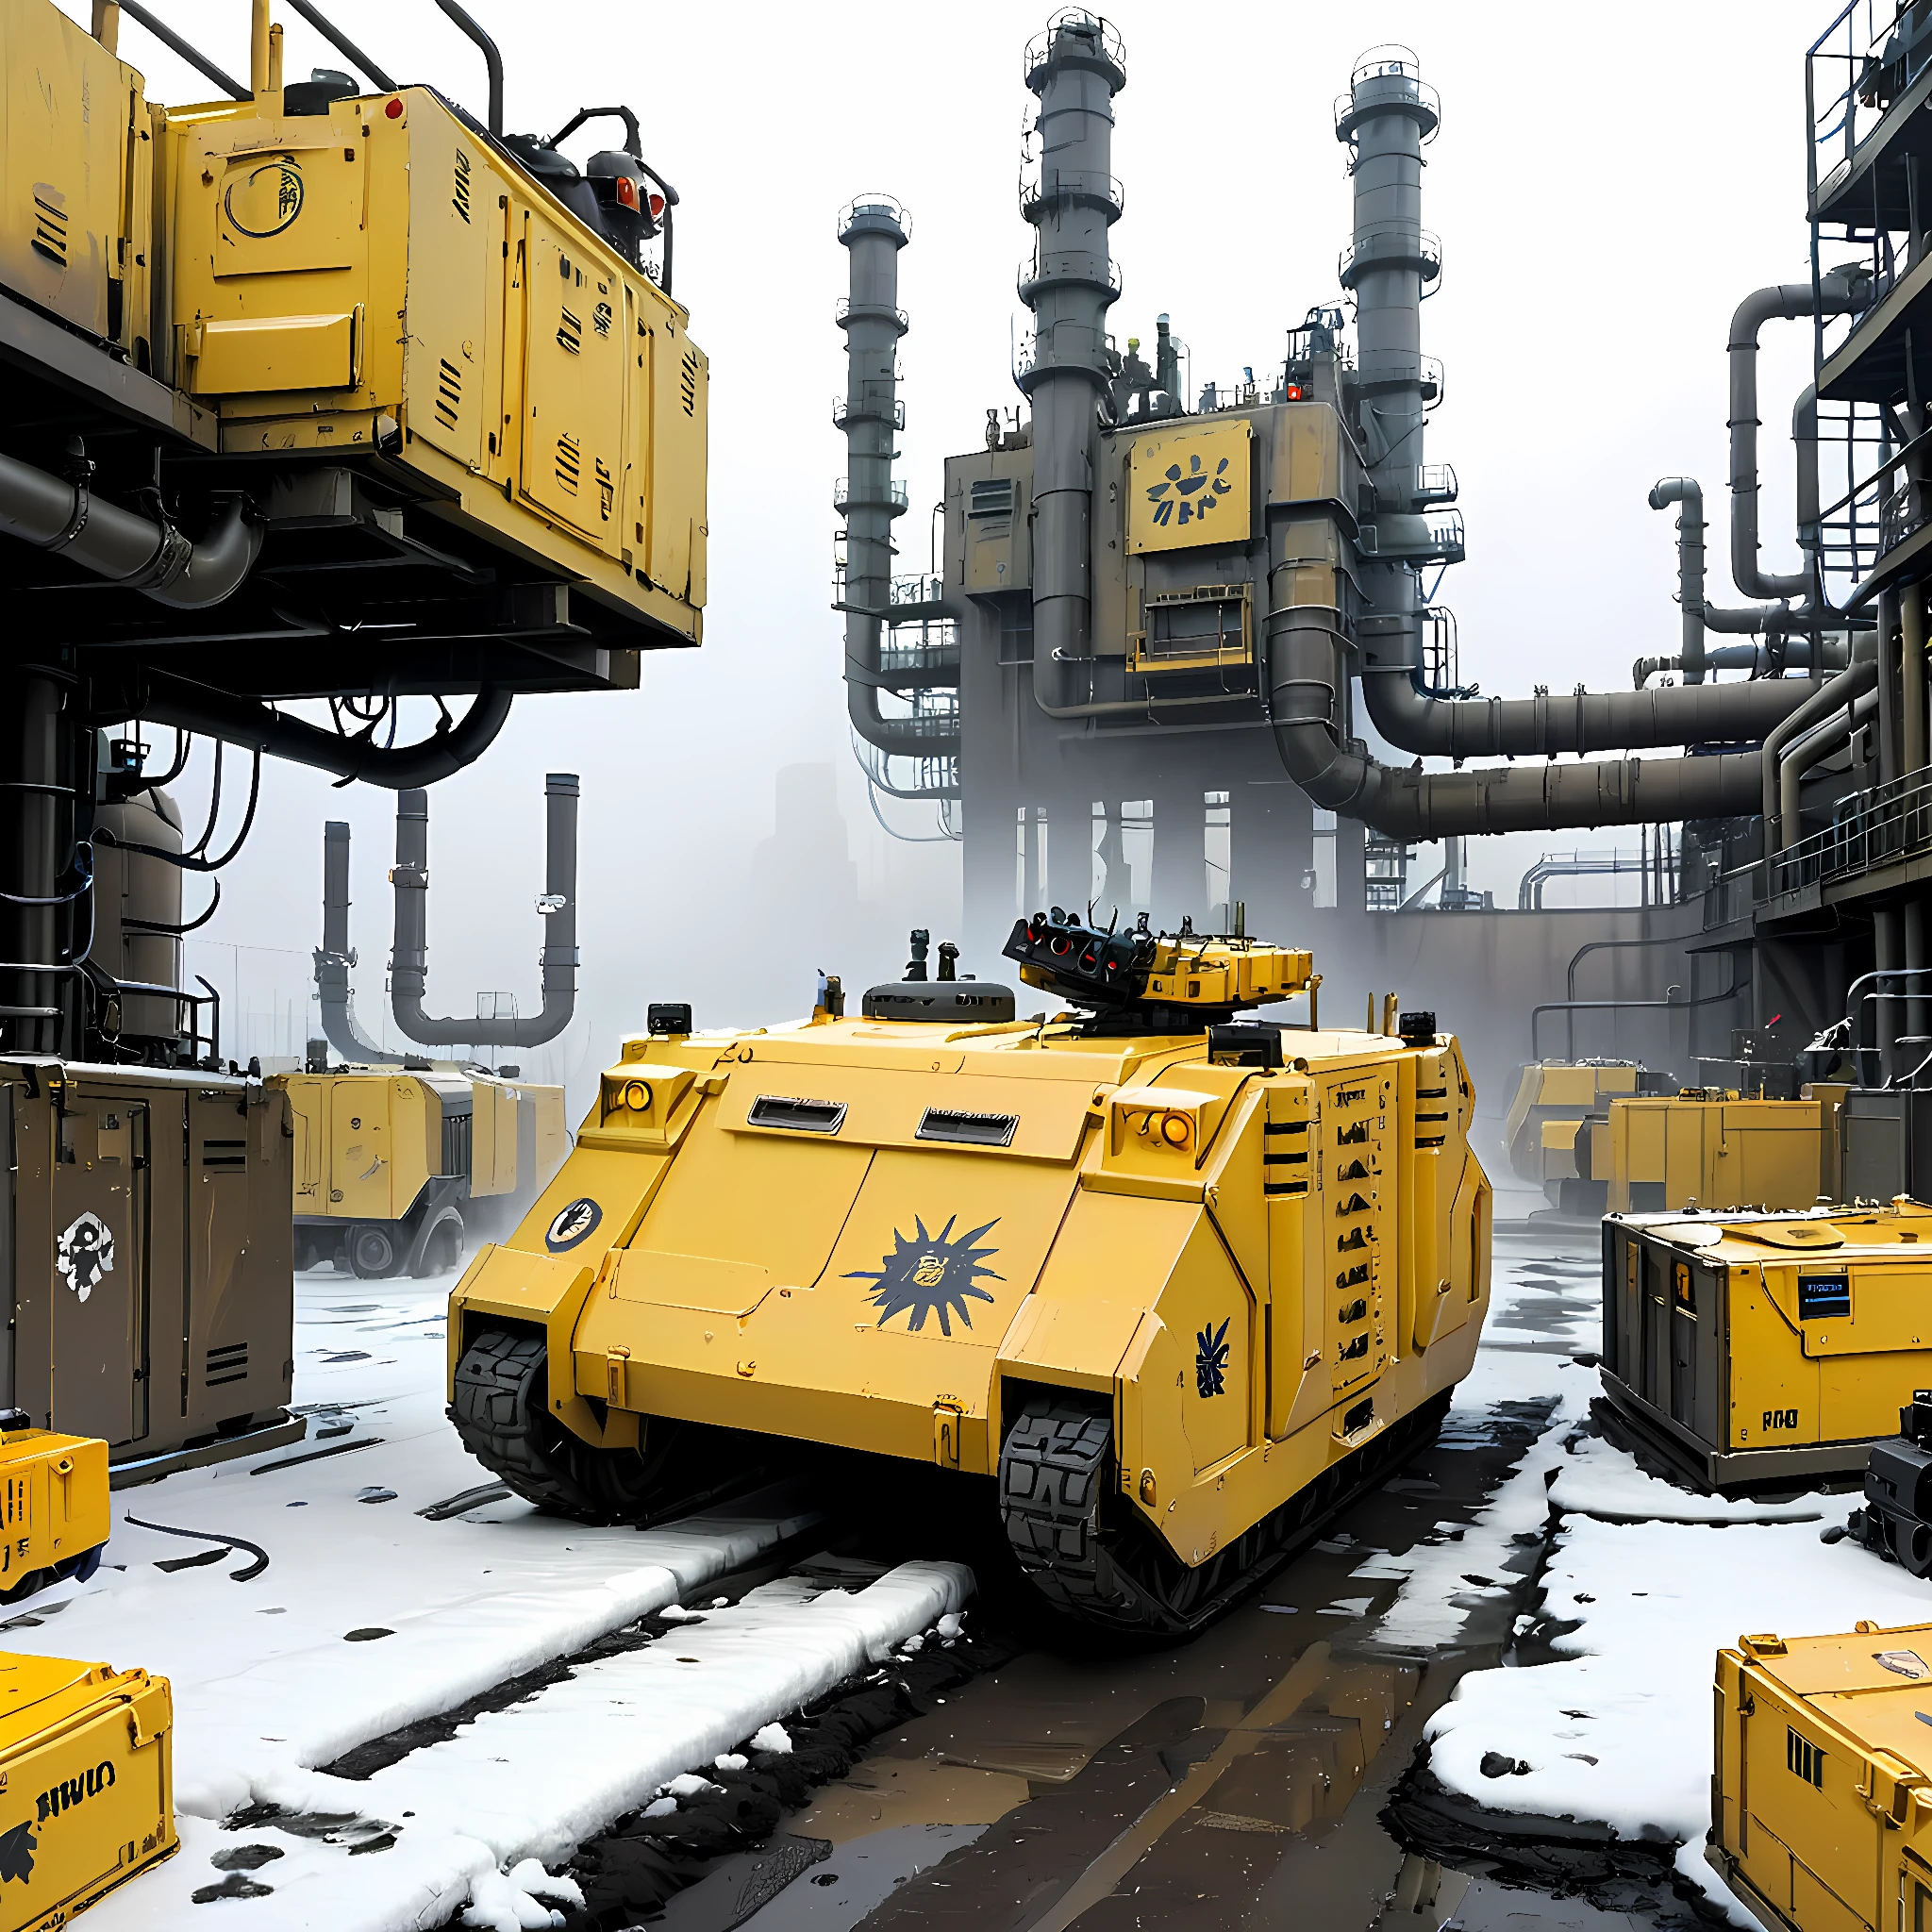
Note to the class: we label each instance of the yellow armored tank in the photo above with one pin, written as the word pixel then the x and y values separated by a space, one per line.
pixel 1163 1286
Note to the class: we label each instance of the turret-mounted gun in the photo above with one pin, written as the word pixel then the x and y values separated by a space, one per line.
pixel 1140 981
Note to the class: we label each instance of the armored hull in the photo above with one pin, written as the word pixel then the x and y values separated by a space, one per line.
pixel 1178 1306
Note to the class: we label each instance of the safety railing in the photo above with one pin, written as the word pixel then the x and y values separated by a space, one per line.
pixel 885 205
pixel 868 409
pixel 1042 184
pixel 1397 247
pixel 1868 829
pixel 1082 26
pixel 1384 76
pixel 922 587
pixel 1067 265
pixel 1435 483
pixel 1863 62
pixel 845 312
pixel 893 494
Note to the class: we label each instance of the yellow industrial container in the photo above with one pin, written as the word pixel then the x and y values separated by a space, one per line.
pixel 1558 1092
pixel 1822 1790
pixel 397 1168
pixel 1199 1280
pixel 477 333
pixel 1765 1350
pixel 87 1797
pixel 1715 1150
pixel 54 1509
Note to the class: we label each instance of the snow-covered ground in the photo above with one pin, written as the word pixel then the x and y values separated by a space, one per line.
pixel 1616 1730
pixel 369 1615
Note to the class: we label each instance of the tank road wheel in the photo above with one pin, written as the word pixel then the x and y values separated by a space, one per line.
pixel 1092 1559
pixel 502 1412
pixel 373 1253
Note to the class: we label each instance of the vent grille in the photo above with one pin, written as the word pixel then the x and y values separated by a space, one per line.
pixel 972 1129
pixel 50 227
pixel 1360 1417
pixel 228 1363
pixel 992 496
pixel 17 1498
pixel 601 318
pixel 456 1143
pixel 459 198
pixel 1804 1758
pixel 569 463
pixel 688 382
pixel 799 1116
pixel 606 489
pixel 570 333
pixel 449 392
pixel 230 1156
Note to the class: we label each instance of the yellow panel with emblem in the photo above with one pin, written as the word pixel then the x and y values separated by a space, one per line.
pixel 1191 486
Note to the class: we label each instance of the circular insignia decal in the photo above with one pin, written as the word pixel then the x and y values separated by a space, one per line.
pixel 573 1223
pixel 265 201
pixel 84 1253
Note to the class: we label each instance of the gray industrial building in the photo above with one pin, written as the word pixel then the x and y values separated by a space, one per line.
pixel 1202 622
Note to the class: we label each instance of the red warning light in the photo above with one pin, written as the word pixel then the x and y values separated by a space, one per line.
pixel 394 109
pixel 657 202
pixel 1292 391
pixel 627 190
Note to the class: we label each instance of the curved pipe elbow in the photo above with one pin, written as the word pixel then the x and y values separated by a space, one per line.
pixel 215 567
pixel 257 727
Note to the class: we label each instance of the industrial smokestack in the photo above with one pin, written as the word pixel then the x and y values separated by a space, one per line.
pixel 1389 115
pixel 1076 67
pixel 409 961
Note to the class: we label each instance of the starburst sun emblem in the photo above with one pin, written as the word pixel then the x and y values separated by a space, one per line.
pixel 930 1275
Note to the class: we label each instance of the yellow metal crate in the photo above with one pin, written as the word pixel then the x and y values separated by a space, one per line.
pixel 54 1505
pixel 1820 1798
pixel 86 1796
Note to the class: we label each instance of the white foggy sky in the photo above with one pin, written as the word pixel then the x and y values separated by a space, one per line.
pixel 1608 183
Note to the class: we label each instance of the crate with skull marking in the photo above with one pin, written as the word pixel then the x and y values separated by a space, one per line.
pixel 162 1320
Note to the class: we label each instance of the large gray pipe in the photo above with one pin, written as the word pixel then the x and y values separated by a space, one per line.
pixel 155 559
pixel 873 231
pixel 334 956
pixel 257 727
pixel 1582 721
pixel 1801 754
pixel 1075 71
pixel 1836 694
pixel 1755 658
pixel 1840 292
pixel 409 961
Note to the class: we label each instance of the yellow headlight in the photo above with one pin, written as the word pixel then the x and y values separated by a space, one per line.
pixel 1176 1130
pixel 636 1097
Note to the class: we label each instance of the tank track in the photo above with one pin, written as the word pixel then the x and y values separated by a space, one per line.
pixel 502 1413
pixel 1058 1497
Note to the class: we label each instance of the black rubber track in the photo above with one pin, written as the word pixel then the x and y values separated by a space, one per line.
pixel 502 1412
pixel 1092 1560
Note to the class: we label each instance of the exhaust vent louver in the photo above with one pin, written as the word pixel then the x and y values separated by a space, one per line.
pixel 799 1116
pixel 570 333
pixel 228 1363
pixel 460 199
pixel 569 463
pixel 688 382
pixel 50 225
pixel 449 392
pixel 971 1129
pixel 230 1156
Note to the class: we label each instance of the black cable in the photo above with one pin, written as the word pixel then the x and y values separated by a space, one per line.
pixel 202 1536
pixel 86 867
pixel 188 861
pixel 214 807
pixel 167 932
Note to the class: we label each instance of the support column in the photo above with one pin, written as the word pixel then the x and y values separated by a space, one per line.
pixel 1888 949
pixel 1890 746
pixel 37 807
pixel 1912 677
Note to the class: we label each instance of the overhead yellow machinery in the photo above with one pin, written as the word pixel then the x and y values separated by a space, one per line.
pixel 1762 1350
pixel 1822 1789
pixel 1177 1284
pixel 396 1169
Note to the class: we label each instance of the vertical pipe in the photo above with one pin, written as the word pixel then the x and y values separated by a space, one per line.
pixel 1918 1010
pixel 275 61
pixel 1076 70
pixel 1388 116
pixel 1888 949
pixel 28 1022
pixel 106 23
pixel 872 230
pixel 1889 656
pixel 259 80
pixel 1912 677
pixel 1685 491
pixel 334 956
pixel 559 957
